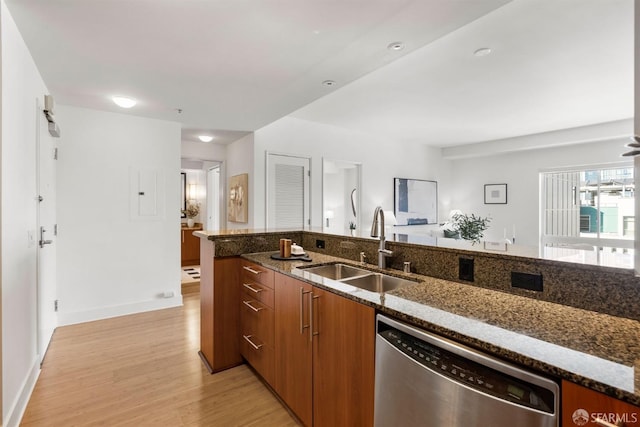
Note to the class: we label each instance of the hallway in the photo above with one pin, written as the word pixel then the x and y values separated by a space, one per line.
pixel 144 370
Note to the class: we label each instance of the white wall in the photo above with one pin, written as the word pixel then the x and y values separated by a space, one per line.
pixel 110 263
pixel 240 159
pixel 520 171
pixel 202 151
pixel 381 159
pixel 22 84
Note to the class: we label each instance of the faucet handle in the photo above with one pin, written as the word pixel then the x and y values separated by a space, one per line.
pixel 363 258
pixel 406 267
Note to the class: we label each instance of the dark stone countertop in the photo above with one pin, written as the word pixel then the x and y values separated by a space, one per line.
pixel 596 350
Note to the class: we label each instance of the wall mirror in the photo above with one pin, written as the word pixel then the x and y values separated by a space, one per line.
pixel 183 191
pixel 341 196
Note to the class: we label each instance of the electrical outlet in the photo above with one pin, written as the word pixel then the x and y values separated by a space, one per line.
pixel 531 282
pixel 319 244
pixel 465 269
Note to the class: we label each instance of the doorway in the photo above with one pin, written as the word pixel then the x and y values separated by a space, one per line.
pixel 341 182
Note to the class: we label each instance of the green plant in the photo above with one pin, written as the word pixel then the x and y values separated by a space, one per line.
pixel 471 227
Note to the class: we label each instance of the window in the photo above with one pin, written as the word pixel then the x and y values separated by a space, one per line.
pixel 589 207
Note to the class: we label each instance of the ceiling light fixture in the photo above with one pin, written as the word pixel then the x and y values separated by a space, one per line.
pixel 483 51
pixel 328 83
pixel 205 138
pixel 124 102
pixel 395 46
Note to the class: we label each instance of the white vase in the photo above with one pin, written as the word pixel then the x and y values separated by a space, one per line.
pixel 190 222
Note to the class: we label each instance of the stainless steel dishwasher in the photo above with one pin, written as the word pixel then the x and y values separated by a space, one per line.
pixel 426 380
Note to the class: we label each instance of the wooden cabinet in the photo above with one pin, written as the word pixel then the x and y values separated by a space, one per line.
pixel 324 355
pixel 257 319
pixel 587 406
pixel 190 247
pixel 294 373
pixel 219 314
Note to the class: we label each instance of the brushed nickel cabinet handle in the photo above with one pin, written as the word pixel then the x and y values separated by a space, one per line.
pixel 248 339
pixel 302 325
pixel 182 236
pixel 603 423
pixel 248 304
pixel 251 288
pixel 311 333
pixel 251 270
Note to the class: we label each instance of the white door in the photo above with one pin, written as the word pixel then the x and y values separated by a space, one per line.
pixel 288 191
pixel 46 259
pixel 213 198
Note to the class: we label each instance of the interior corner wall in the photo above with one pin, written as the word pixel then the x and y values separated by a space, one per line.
pixel 111 260
pixel 22 86
pixel 382 160
pixel 521 172
pixel 240 160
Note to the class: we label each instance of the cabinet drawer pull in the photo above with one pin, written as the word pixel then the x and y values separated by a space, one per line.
pixel 311 332
pixel 251 288
pixel 248 339
pixel 248 304
pixel 302 325
pixel 603 423
pixel 251 270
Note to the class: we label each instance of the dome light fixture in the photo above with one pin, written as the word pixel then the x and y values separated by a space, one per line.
pixel 328 83
pixel 205 138
pixel 124 102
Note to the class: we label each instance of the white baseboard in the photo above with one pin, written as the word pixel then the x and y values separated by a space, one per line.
pixel 16 411
pixel 71 318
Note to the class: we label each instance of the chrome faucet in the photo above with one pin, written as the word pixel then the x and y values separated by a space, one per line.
pixel 383 253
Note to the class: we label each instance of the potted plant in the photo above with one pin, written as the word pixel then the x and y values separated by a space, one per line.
pixel 352 227
pixel 470 227
pixel 193 209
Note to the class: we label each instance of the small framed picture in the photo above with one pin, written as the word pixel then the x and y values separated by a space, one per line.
pixel 495 194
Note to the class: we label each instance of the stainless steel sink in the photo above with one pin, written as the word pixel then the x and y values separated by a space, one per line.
pixel 337 271
pixel 376 282
pixel 358 277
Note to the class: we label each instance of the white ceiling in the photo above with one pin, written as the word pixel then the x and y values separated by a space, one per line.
pixel 233 66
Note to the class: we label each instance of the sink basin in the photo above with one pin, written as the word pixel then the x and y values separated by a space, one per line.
pixel 376 282
pixel 337 271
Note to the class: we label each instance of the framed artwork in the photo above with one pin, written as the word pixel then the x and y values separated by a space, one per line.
pixel 238 210
pixel 183 188
pixel 415 201
pixel 495 194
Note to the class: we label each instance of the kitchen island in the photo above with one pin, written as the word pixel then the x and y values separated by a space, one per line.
pixel 596 350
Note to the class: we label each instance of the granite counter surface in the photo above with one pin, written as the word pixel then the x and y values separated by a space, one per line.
pixel 595 350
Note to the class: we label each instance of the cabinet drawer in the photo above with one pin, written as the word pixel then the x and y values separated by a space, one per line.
pixel 257 273
pixel 259 355
pixel 257 320
pixel 257 290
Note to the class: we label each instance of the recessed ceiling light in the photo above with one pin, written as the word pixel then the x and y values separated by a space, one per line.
pixel 483 51
pixel 395 46
pixel 124 102
pixel 205 138
pixel 328 83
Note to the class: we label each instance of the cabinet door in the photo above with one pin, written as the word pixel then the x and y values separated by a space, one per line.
pixel 293 379
pixel 343 361
pixel 582 406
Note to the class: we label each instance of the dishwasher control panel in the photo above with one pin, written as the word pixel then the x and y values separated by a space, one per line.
pixel 468 372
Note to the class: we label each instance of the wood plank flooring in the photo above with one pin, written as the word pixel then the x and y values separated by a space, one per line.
pixel 144 370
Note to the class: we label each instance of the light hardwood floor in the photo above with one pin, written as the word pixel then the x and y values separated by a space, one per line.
pixel 143 370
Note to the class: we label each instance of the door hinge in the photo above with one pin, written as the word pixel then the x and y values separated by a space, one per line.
pixel 40 198
pixel 308 173
pixel 55 153
pixel 55 229
pixel 55 305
